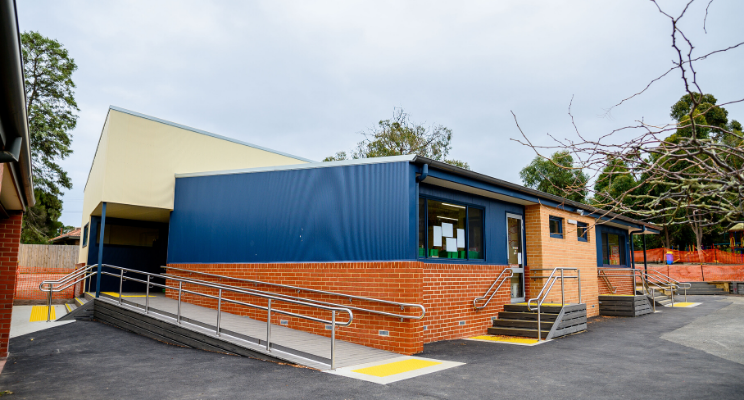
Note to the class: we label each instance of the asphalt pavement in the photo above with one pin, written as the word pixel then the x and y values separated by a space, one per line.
pixel 659 356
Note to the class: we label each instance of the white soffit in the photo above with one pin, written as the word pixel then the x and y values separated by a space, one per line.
pixel 469 189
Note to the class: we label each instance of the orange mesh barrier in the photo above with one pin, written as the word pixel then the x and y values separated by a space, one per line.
pixel 701 273
pixel 710 256
pixel 29 278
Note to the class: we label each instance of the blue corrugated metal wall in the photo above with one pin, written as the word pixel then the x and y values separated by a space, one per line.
pixel 495 218
pixel 349 213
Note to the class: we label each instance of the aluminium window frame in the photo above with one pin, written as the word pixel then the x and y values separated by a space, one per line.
pixel 558 235
pixel 467 206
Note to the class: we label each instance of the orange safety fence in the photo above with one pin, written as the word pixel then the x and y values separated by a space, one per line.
pixel 29 278
pixel 709 256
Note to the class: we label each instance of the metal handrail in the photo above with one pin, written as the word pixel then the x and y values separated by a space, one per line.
pixel 605 278
pixel 302 289
pixel 62 284
pixel 220 299
pixel 678 284
pixel 498 278
pixel 545 291
pixel 649 282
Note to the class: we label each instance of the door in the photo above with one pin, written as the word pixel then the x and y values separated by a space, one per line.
pixel 515 251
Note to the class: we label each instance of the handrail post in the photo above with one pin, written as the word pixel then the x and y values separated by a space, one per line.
pixel 539 334
pixel 49 305
pixel 178 316
pixel 333 339
pixel 671 294
pixel 653 298
pixel 147 295
pixel 219 310
pixel 268 327
pixel 563 291
pixel 121 282
pixel 685 294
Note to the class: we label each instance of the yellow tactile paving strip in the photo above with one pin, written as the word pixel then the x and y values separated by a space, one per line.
pixel 397 367
pixel 114 294
pixel 506 339
pixel 39 313
pixel 685 304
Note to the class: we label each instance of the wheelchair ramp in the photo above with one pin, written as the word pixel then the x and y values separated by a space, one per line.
pixel 238 335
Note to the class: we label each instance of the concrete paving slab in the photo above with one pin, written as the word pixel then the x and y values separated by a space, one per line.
pixel 20 323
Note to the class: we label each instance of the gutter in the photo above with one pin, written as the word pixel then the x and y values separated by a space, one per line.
pixel 14 134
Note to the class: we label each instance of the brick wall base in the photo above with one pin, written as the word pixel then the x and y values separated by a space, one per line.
pixel 10 240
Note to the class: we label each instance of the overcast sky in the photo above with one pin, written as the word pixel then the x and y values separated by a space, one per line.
pixel 307 77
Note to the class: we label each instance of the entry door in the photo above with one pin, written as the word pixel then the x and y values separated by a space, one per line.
pixel 515 250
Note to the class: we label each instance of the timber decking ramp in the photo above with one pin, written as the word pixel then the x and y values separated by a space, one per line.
pixel 239 335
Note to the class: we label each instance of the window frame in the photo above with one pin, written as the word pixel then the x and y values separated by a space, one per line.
pixel 585 237
pixel 622 243
pixel 467 230
pixel 86 234
pixel 559 220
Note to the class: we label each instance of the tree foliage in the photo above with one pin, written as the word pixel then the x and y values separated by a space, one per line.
pixel 51 109
pixel 556 176
pixel 399 136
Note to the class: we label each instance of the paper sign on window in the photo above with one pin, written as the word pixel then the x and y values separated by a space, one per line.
pixel 461 238
pixel 452 244
pixel 437 236
pixel 447 230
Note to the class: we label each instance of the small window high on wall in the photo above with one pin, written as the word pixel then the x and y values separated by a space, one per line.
pixel 613 249
pixel 450 230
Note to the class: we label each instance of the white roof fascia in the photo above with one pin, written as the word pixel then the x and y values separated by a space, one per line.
pixel 329 164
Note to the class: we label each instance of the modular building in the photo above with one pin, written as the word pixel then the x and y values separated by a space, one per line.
pixel 404 229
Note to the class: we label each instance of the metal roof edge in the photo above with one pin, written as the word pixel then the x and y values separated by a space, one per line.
pixel 313 165
pixel 537 193
pixel 188 128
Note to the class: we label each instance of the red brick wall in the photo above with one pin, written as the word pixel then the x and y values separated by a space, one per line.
pixel 10 239
pixel 449 291
pixel 393 281
pixel 446 290
pixel 621 280
pixel 546 252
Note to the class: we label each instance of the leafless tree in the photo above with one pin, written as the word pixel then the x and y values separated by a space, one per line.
pixel 671 174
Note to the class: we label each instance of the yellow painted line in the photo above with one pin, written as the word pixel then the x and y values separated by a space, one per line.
pixel 396 367
pixel 79 301
pixel 544 304
pixel 505 339
pixel 683 304
pixel 69 309
pixel 114 294
pixel 39 313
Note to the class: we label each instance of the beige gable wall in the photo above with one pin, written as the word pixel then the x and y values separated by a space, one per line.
pixel 137 159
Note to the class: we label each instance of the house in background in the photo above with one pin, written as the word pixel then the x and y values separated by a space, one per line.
pixel 70 238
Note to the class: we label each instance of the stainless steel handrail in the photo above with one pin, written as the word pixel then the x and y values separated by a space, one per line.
pixel 545 291
pixel 302 289
pixel 220 299
pixel 682 285
pixel 605 278
pixel 62 284
pixel 498 278
pixel 649 282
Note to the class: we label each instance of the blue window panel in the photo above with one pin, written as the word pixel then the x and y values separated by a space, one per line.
pixel 599 230
pixel 556 227
pixel 494 236
pixel 349 213
pixel 582 232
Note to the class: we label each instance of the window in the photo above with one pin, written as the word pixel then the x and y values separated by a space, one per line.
pixel 582 231
pixel 556 227
pixel 613 249
pixel 125 235
pixel 450 231
pixel 85 235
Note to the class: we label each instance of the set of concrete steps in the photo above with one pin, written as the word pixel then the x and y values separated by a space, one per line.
pixel 555 320
pixel 79 309
pixel 704 288
pixel 662 298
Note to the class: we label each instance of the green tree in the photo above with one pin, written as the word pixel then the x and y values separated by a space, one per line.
pixel 51 107
pixel 556 176
pixel 399 136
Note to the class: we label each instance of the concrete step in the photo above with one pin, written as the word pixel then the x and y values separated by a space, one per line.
pixel 523 332
pixel 515 323
pixel 527 316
